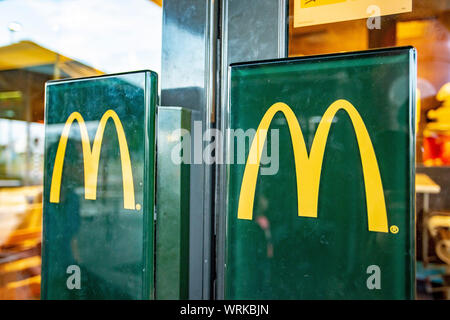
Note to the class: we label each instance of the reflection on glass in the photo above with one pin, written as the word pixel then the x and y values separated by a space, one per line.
pixel 427 28
pixel 22 160
pixel 44 38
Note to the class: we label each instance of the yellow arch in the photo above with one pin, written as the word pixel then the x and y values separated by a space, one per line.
pixel 308 168
pixel 91 159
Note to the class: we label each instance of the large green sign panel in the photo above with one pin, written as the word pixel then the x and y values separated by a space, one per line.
pixel 322 207
pixel 99 187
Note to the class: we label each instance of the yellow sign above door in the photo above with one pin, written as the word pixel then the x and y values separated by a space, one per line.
pixel 313 12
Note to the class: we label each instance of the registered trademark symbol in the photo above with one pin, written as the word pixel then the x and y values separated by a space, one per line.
pixel 394 229
pixel 138 206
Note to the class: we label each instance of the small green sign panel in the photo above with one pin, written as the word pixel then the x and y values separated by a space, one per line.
pixel 99 187
pixel 172 209
pixel 323 205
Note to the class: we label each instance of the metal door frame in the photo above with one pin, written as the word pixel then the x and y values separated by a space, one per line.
pixel 200 38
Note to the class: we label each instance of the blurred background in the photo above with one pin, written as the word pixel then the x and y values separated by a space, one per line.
pixel 39 41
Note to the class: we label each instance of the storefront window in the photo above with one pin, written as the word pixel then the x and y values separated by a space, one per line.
pixel 41 41
pixel 424 24
pixel 426 28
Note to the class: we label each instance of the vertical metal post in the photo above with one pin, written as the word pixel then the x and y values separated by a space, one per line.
pixel 250 30
pixel 200 39
pixel 188 79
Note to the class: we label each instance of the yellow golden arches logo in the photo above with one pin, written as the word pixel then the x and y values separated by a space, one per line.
pixel 91 159
pixel 308 168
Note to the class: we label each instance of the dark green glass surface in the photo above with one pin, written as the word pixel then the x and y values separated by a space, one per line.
pixel 279 255
pixel 112 246
pixel 172 205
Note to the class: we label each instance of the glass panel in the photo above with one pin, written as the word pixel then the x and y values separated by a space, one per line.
pixel 427 28
pixel 41 41
pixel 98 192
pixel 347 119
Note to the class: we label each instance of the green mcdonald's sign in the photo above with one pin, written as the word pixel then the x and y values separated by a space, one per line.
pixel 335 220
pixel 99 187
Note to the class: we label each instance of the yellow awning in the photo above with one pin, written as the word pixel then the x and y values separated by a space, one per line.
pixel 25 54
pixel 158 2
